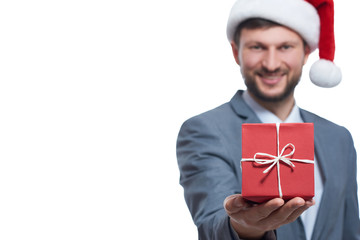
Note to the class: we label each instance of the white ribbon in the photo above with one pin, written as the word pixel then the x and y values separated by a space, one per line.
pixel 275 160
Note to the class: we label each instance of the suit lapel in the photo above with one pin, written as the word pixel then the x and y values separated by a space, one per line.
pixel 321 156
pixel 242 109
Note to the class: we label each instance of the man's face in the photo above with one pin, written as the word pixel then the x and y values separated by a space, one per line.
pixel 271 61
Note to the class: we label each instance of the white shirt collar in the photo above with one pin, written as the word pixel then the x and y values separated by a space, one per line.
pixel 266 116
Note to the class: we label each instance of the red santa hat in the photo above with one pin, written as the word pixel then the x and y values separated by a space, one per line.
pixel 312 19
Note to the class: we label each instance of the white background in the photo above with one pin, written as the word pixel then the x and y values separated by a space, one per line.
pixel 92 96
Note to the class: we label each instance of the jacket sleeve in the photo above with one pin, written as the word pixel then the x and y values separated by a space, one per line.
pixel 208 176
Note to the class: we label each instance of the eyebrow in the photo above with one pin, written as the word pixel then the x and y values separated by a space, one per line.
pixel 295 43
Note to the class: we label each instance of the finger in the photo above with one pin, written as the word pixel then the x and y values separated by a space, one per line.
pixel 264 210
pixel 235 203
pixel 300 210
pixel 253 213
pixel 310 203
pixel 291 206
pixel 281 216
pixel 249 216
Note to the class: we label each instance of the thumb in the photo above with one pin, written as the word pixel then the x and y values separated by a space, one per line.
pixel 235 203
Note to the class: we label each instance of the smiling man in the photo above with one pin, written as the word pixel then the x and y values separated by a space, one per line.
pixel 271 58
pixel 271 41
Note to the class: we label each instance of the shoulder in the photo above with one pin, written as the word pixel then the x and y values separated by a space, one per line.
pixel 233 112
pixel 325 128
pixel 209 124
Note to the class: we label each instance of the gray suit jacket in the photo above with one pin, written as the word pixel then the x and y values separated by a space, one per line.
pixel 209 154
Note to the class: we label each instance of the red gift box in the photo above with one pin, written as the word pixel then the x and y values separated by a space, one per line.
pixel 277 161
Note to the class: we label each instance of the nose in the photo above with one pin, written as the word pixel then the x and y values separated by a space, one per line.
pixel 271 60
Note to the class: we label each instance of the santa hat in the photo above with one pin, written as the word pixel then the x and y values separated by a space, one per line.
pixel 312 19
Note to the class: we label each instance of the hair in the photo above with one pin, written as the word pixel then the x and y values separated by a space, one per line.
pixel 255 23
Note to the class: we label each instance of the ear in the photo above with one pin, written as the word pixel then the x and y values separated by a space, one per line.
pixel 235 51
pixel 307 53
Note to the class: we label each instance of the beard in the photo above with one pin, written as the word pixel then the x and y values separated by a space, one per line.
pixel 255 90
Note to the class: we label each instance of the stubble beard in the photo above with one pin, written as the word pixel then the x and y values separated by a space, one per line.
pixel 254 89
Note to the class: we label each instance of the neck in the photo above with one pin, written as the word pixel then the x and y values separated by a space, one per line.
pixel 281 108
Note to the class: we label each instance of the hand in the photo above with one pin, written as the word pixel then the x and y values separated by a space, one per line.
pixel 251 221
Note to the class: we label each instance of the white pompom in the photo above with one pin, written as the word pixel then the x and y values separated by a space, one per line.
pixel 325 73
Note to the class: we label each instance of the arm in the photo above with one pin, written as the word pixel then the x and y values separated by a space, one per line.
pixel 208 176
pixel 210 172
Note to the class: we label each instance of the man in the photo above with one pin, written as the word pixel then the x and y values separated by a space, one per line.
pixel 271 41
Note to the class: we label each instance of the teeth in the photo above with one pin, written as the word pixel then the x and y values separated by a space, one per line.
pixel 271 77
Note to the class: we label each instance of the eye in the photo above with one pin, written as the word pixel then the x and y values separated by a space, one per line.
pixel 285 47
pixel 256 47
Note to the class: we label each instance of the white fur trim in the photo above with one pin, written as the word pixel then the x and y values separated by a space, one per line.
pixel 298 15
pixel 325 73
